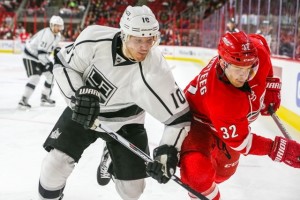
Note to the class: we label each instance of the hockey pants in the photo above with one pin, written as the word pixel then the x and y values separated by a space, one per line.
pixel 34 80
pixel 57 167
pixel 206 161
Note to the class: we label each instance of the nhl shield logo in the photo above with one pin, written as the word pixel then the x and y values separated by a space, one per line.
pixel 119 59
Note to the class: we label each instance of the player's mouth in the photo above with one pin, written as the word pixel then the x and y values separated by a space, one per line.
pixel 143 53
pixel 239 82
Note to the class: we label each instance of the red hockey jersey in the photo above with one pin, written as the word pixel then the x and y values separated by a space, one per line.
pixel 229 110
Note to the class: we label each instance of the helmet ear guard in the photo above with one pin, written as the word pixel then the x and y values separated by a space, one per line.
pixel 223 63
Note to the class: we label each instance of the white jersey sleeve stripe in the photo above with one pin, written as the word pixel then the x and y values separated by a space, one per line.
pixel 246 144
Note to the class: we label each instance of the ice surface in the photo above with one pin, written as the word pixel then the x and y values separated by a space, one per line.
pixel 22 134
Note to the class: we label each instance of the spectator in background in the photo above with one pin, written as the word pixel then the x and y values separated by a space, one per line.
pixel 102 20
pixel 297 53
pixel 185 40
pixel 4 29
pixel 285 47
pixel 23 36
pixel 266 31
pixel 10 6
pixel 81 7
pixel 76 33
pixel 231 26
pixel 169 35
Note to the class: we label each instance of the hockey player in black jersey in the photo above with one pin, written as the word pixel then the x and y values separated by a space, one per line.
pixel 115 75
pixel 37 61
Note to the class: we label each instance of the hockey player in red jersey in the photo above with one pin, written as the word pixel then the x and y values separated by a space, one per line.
pixel 228 94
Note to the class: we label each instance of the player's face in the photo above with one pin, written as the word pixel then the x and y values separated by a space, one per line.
pixel 56 28
pixel 137 48
pixel 238 75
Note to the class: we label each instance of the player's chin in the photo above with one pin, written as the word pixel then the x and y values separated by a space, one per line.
pixel 140 57
pixel 238 83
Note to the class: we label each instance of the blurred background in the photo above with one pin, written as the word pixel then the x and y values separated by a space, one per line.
pixel 198 23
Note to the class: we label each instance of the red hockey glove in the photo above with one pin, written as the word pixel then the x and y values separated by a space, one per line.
pixel 272 96
pixel 287 151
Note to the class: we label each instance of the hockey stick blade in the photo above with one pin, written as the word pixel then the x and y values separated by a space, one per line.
pixel 101 127
pixel 278 122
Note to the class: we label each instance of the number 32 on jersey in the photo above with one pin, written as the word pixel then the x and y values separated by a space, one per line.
pixel 229 132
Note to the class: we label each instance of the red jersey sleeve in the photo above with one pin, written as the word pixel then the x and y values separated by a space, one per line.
pixel 263 52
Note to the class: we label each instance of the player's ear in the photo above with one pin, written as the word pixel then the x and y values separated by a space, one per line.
pixel 222 63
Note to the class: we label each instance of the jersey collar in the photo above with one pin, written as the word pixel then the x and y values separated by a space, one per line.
pixel 118 57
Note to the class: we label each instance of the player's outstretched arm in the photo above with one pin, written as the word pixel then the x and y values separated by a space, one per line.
pixel 287 151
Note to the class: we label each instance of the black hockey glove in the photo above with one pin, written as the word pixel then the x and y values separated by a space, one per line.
pixel 49 67
pixel 164 165
pixel 86 106
pixel 56 50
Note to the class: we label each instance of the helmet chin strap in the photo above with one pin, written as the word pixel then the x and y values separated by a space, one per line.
pixel 221 74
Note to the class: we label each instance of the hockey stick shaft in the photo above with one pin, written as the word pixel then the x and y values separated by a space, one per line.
pixel 101 127
pixel 278 122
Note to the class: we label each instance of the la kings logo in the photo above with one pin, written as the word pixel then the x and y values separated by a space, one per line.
pixel 97 79
pixel 55 134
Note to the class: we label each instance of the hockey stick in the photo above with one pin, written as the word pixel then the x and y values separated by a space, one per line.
pixel 278 122
pixel 101 127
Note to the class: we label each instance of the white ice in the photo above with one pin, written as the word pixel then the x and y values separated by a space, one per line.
pixel 22 134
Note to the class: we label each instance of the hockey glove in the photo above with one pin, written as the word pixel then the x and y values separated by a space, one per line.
pixel 287 151
pixel 49 67
pixel 86 106
pixel 164 165
pixel 56 50
pixel 272 96
pixel 56 59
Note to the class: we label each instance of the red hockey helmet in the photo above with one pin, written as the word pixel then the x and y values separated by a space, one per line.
pixel 236 48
